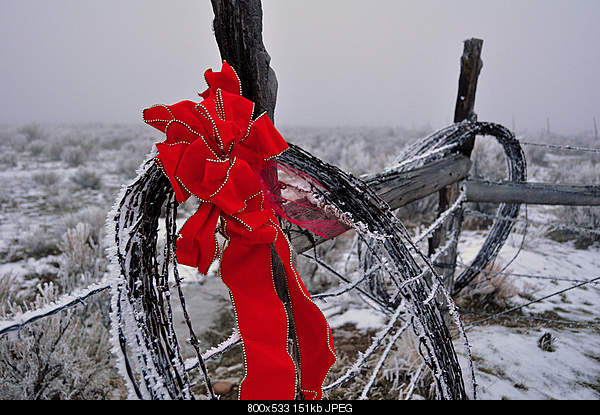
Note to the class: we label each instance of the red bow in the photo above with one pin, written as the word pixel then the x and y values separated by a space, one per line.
pixel 216 150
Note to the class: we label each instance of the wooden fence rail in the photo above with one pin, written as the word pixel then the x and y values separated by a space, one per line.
pixel 532 193
pixel 402 188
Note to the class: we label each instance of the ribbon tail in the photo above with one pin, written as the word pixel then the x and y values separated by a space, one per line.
pixel 270 373
pixel 197 245
pixel 315 341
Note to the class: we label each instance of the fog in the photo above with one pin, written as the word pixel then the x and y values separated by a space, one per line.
pixel 339 62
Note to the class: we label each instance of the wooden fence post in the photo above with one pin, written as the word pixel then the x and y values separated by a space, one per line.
pixel 471 66
pixel 238 30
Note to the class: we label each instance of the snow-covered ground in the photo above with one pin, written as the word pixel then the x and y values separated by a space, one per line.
pixel 42 197
pixel 508 360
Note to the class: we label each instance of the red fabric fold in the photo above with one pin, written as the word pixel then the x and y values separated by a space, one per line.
pixel 197 243
pixel 227 80
pixel 217 152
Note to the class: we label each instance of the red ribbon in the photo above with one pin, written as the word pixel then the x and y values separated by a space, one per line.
pixel 216 150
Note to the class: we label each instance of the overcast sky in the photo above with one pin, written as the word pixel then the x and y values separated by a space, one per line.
pixel 339 62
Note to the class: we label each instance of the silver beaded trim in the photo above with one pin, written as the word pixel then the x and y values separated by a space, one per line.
pixel 238 78
pixel 297 277
pixel 203 111
pixel 226 179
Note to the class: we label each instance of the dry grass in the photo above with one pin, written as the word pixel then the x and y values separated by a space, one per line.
pixel 66 356
pixel 488 293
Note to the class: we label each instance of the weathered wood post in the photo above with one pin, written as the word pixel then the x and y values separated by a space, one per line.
pixel 471 65
pixel 238 30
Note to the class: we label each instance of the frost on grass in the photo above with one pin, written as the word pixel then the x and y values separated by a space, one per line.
pixel 112 154
pixel 66 356
pixel 488 293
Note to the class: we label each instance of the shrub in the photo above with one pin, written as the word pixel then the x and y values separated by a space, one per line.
pixel 38 242
pixel 32 132
pixel 74 156
pixel 8 287
pixel 54 149
pixel 93 216
pixel 60 200
pixel 36 147
pixel 46 179
pixel 66 356
pixel 18 142
pixel 87 179
pixel 489 161
pixel 80 262
pixel 128 166
pixel 8 160
pixel 536 155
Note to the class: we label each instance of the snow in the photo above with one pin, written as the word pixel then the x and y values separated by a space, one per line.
pixel 547 258
pixel 508 362
pixel 363 319
pixel 510 365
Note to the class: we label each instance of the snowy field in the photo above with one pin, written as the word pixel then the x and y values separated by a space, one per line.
pixel 509 362
pixel 59 182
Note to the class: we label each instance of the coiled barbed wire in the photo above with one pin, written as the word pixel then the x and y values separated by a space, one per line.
pixel 389 244
pixel 407 288
pixel 443 143
pixel 141 292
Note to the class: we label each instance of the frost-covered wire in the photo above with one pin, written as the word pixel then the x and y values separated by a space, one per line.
pixel 376 342
pixel 492 274
pixel 390 244
pixel 516 169
pixel 571 323
pixel 458 204
pixel 520 307
pixel 413 382
pixel 216 351
pixel 142 321
pixel 65 302
pixel 554 225
pixel 391 341
pixel 561 147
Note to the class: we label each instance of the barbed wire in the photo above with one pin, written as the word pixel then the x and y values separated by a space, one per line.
pixel 561 147
pixel 511 274
pixel 387 238
pixel 572 323
pixel 441 220
pixel 67 301
pixel 520 307
pixel 414 306
pixel 516 170
pixel 561 226
pixel 398 165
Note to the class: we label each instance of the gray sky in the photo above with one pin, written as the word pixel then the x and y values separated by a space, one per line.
pixel 339 62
